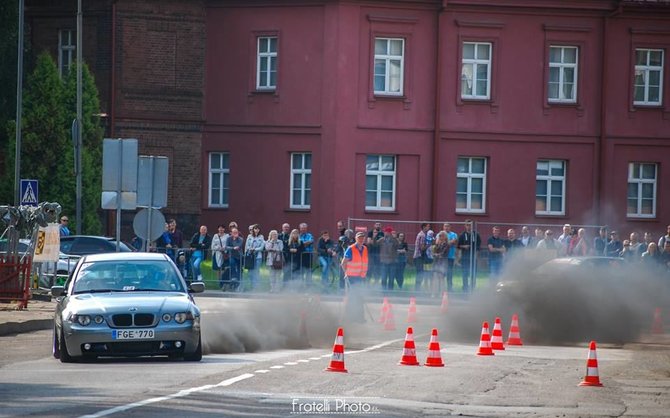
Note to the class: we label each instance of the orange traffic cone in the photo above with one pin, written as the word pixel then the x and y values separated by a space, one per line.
pixel 514 337
pixel 497 336
pixel 389 321
pixel 409 351
pixel 411 314
pixel 445 302
pixel 657 325
pixel 337 359
pixel 385 308
pixel 434 357
pixel 591 378
pixel 485 342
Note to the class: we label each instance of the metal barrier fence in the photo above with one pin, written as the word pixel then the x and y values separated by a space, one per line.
pixel 15 279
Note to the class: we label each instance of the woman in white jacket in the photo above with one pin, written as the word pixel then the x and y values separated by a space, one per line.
pixel 255 245
pixel 274 260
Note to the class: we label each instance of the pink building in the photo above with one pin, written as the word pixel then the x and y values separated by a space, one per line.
pixel 500 111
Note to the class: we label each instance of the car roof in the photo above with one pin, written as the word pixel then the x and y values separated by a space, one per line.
pixel 124 256
pixel 70 237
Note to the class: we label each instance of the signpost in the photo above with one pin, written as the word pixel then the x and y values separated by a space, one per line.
pixel 29 192
pixel 119 178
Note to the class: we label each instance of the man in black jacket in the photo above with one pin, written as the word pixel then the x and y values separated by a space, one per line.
pixel 200 244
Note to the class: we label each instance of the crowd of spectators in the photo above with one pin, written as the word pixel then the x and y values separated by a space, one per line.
pixel 291 255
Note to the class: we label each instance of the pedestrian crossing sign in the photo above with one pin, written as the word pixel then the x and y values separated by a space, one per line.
pixel 29 192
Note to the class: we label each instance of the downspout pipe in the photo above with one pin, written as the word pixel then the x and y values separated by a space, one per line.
pixel 436 128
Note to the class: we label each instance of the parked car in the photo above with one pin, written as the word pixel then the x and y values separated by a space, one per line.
pixel 49 273
pixel 126 304
pixel 90 244
pixel 577 299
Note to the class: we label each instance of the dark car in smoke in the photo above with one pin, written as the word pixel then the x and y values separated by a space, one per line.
pixel 576 299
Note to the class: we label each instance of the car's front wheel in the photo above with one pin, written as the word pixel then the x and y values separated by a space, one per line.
pixel 64 356
pixel 197 354
pixel 56 344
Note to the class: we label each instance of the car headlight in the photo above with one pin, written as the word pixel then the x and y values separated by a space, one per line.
pixel 98 319
pixel 167 317
pixel 182 317
pixel 82 320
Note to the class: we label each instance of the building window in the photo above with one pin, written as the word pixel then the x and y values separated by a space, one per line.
pixel 648 76
pixel 642 190
pixel 67 48
pixel 380 173
pixel 471 185
pixel 389 66
pixel 563 74
pixel 219 179
pixel 266 63
pixel 550 187
pixel 301 180
pixel 476 71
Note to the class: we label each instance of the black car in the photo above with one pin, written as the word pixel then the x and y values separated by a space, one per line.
pixel 90 244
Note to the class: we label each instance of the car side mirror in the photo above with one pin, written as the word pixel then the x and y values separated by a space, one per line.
pixel 196 287
pixel 57 291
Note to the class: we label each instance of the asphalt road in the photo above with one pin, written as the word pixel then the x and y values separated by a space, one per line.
pixel 259 363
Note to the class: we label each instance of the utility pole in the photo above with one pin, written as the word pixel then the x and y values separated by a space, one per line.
pixel 19 105
pixel 79 146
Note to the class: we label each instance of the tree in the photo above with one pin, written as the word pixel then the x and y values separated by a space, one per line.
pixel 92 134
pixel 8 44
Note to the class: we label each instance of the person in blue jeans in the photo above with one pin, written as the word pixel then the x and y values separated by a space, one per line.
pixel 326 250
pixel 254 246
pixel 496 246
pixel 200 243
pixel 235 248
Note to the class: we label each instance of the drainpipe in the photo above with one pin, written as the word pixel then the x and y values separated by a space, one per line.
pixel 436 134
pixel 112 84
pixel 601 154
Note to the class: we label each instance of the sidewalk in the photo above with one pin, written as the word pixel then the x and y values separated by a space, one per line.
pixel 37 316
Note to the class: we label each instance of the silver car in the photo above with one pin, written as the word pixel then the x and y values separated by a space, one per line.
pixel 126 304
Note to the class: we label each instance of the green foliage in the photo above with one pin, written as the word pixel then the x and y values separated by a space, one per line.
pixel 47 152
pixel 8 43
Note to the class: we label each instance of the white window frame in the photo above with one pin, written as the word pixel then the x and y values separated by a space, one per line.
pixel 222 171
pixel 549 179
pixel 637 180
pixel 475 62
pixel 646 69
pixel 270 57
pixel 469 175
pixel 380 174
pixel 303 172
pixel 562 67
pixel 67 48
pixel 388 58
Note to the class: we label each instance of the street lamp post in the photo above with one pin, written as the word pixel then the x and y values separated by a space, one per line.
pixel 19 101
pixel 78 149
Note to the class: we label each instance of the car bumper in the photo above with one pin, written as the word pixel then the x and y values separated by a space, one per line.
pixel 172 339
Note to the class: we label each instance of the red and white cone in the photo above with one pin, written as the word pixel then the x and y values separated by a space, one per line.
pixel 337 359
pixel 592 378
pixel 657 325
pixel 445 302
pixel 497 336
pixel 389 323
pixel 434 356
pixel 485 342
pixel 411 313
pixel 409 351
pixel 514 337
pixel 385 309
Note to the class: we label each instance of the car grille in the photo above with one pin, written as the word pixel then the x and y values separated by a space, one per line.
pixel 129 320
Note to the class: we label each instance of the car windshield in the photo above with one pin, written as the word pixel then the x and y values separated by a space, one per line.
pixel 127 276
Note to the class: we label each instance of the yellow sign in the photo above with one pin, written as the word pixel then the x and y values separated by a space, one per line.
pixel 47 246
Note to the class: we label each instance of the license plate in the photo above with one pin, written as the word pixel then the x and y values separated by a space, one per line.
pixel 133 334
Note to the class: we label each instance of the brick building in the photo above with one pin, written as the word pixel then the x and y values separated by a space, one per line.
pixel 511 111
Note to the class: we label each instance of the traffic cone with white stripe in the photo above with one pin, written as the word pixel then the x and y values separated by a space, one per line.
pixel 409 351
pixel 445 302
pixel 411 313
pixel 497 336
pixel 514 337
pixel 485 342
pixel 337 359
pixel 657 325
pixel 385 309
pixel 434 356
pixel 389 322
pixel 592 378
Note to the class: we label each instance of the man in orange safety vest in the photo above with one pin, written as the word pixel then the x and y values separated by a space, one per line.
pixel 355 266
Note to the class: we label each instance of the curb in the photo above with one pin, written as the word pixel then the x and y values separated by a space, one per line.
pixel 10 328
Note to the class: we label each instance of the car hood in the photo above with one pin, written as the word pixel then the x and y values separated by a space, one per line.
pixel 122 301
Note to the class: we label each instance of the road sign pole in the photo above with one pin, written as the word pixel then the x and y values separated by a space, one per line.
pixel 151 201
pixel 118 197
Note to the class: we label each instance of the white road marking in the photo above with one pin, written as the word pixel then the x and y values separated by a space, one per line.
pixel 262 371
pixel 290 363
pixel 179 394
pixel 303 361
pixel 315 358
pixel 277 367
